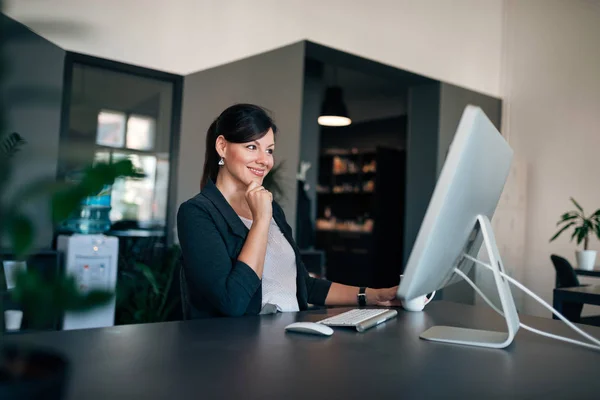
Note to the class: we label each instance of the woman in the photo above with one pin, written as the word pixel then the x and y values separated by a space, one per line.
pixel 239 256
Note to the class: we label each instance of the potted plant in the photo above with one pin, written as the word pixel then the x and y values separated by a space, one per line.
pixel 26 371
pixel 146 291
pixel 583 227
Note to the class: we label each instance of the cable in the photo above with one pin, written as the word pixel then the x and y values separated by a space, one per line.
pixel 479 292
pixel 595 346
pixel 526 327
pixel 538 299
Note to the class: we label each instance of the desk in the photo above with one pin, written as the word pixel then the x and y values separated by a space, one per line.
pixel 595 273
pixel 589 294
pixel 585 272
pixel 252 357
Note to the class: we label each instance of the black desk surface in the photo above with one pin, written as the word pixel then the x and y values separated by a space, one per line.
pixel 252 357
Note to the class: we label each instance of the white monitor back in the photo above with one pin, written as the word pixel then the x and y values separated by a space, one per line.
pixel 469 185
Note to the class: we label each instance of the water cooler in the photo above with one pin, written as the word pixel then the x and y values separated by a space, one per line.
pixel 92 259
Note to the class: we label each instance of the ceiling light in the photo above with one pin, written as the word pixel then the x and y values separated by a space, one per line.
pixel 333 111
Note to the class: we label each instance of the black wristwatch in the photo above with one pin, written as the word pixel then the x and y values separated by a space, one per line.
pixel 362 296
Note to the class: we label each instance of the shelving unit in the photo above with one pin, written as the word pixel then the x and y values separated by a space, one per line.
pixel 360 205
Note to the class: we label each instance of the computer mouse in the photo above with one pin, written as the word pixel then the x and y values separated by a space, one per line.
pixel 310 328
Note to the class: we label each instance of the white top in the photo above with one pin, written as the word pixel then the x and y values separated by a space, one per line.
pixel 279 272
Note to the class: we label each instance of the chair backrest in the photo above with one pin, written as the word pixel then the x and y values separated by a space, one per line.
pixel 566 277
pixel 565 274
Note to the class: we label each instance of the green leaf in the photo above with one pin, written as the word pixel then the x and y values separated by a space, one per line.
pixel 149 275
pixel 575 233
pixel 66 202
pixel 92 180
pixel 20 230
pixel 577 205
pixel 44 298
pixel 567 217
pixel 564 228
pixel 11 144
pixel 581 235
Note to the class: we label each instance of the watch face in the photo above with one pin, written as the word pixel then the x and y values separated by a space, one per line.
pixel 362 299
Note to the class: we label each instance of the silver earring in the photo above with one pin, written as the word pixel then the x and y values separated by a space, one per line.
pixel 221 161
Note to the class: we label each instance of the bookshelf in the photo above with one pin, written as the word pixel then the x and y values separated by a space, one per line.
pixel 360 208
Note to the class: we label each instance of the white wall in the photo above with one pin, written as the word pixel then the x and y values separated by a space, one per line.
pixel 457 41
pixel 551 85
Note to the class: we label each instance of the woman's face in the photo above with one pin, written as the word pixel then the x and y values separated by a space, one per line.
pixel 250 161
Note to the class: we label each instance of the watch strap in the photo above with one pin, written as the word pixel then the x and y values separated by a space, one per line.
pixel 362 296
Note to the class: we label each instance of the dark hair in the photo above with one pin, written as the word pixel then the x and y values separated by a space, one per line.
pixel 240 123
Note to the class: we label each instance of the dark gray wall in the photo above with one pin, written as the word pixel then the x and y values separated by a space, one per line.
pixel 421 157
pixel 389 132
pixel 453 100
pixel 310 131
pixel 273 80
pixel 32 94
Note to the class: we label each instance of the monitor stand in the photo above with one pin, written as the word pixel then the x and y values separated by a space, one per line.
pixel 476 337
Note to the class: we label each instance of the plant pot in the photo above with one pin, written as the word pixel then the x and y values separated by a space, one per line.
pixel 586 259
pixel 44 374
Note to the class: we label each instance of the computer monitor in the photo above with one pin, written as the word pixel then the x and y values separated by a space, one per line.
pixel 457 222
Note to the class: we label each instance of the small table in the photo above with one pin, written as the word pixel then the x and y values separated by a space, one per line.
pixel 586 272
pixel 580 294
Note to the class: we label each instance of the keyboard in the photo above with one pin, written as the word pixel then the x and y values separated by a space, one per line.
pixel 361 319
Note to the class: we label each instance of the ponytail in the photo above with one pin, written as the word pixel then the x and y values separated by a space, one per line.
pixel 211 157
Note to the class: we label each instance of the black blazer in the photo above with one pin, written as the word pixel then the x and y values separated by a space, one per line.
pixel 211 236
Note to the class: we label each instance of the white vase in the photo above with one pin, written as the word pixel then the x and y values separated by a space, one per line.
pixel 586 259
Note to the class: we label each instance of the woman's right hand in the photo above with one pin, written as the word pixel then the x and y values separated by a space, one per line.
pixel 260 202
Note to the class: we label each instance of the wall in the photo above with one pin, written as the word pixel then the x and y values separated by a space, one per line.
pixel 456 41
pixel 33 96
pixel 453 100
pixel 273 80
pixel 310 147
pixel 552 90
pixel 390 132
pixel 421 160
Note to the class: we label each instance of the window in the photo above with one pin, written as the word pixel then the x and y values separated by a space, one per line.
pixel 140 132
pixel 111 129
pixel 115 114
pixel 142 200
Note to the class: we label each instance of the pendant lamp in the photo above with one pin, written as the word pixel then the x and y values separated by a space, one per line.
pixel 333 110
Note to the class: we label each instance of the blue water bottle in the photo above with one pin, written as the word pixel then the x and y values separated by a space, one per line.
pixel 92 215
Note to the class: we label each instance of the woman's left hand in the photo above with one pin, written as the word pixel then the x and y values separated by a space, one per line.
pixel 383 297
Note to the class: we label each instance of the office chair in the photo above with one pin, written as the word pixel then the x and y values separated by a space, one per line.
pixel 185 302
pixel 566 277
